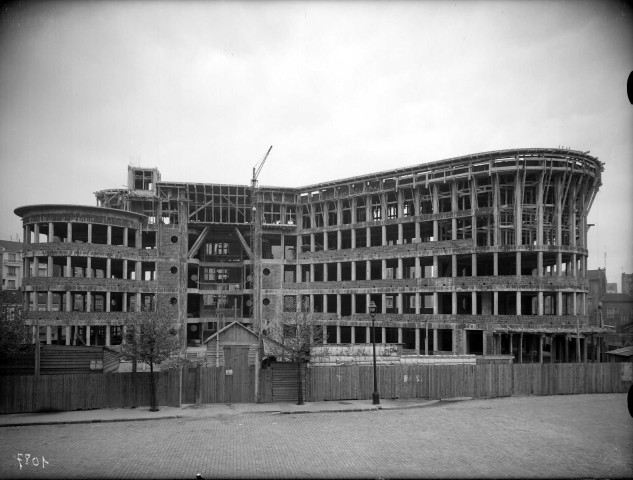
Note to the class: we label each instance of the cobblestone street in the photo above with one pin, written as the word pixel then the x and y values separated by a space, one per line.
pixel 562 436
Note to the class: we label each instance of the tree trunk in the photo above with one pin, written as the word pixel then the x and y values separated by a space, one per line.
pixel 300 393
pixel 152 386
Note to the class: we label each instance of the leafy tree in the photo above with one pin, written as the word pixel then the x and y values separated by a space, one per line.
pixel 13 330
pixel 151 337
pixel 295 339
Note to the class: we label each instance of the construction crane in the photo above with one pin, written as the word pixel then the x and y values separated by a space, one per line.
pixel 256 247
pixel 258 168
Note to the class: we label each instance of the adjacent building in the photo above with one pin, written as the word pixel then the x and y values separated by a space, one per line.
pixel 11 264
pixel 477 255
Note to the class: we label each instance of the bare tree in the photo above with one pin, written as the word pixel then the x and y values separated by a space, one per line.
pixel 294 340
pixel 13 330
pixel 151 336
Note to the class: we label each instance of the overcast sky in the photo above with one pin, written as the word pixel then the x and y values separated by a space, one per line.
pixel 200 90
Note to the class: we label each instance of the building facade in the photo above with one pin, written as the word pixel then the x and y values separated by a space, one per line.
pixel 482 254
pixel 627 283
pixel 11 264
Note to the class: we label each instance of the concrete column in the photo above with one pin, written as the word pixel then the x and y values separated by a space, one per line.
pixel 435 336
pixel 400 272
pixel 368 236
pixel 70 232
pixel 89 273
pixel 473 264
pixel 367 334
pixel 539 264
pixel 311 272
pixel 88 302
pixel 125 269
pixel 339 272
pixel 88 335
pixel 36 266
pixel 436 272
pixel 368 269
pixel 417 341
pixel 325 274
pixel 384 303
pixel 353 238
pixel 559 303
pixel 124 306
pixel 495 264
pixel 426 338
pixel 338 334
pixel 108 268
pixel 353 272
pixel 36 233
pixel 353 301
pixel 326 242
pixel 400 234
pixel 90 233
pixel 435 304
pixel 49 301
pixel 383 334
pixel 109 235
pixel 559 264
pixel 51 232
pixel 454 303
pixel 453 265
pixel 418 273
pixel 383 228
pixel 325 304
pixel 312 242
pixel 518 303
pixel 495 303
pixel 383 275
pixel 107 301
pixel 353 329
pixel 473 301
pixel 417 225
pixel 540 303
pixel 107 339
pixel 338 306
pixel 69 302
pixel 518 264
pixel 125 230
pixel 418 301
pixel 540 349
pixel 399 304
pixel 67 327
pixel 435 230
pixel 400 335
pixel 339 240
pixel 49 335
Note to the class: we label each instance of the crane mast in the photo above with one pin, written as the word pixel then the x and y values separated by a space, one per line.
pixel 256 246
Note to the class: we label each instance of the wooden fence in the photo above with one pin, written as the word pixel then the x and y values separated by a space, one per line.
pixel 27 393
pixel 478 381
pixel 49 393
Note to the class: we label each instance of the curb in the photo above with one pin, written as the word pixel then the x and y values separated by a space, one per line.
pixel 274 412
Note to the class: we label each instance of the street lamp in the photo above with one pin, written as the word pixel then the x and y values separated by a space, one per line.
pixel 372 314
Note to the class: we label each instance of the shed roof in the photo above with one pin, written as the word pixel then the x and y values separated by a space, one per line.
pixel 235 332
pixel 622 352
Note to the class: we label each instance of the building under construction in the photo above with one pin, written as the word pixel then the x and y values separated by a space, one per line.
pixel 483 254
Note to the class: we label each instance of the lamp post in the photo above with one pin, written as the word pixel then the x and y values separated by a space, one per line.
pixel 372 314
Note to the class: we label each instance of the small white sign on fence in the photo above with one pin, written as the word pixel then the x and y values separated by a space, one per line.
pixel 229 372
pixel 627 372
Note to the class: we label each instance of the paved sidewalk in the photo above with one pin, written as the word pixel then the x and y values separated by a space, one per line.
pixel 209 411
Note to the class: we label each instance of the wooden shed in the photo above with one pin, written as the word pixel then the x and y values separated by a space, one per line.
pixel 63 359
pixel 234 334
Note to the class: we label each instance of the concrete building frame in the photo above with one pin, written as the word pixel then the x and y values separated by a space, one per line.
pixel 483 254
